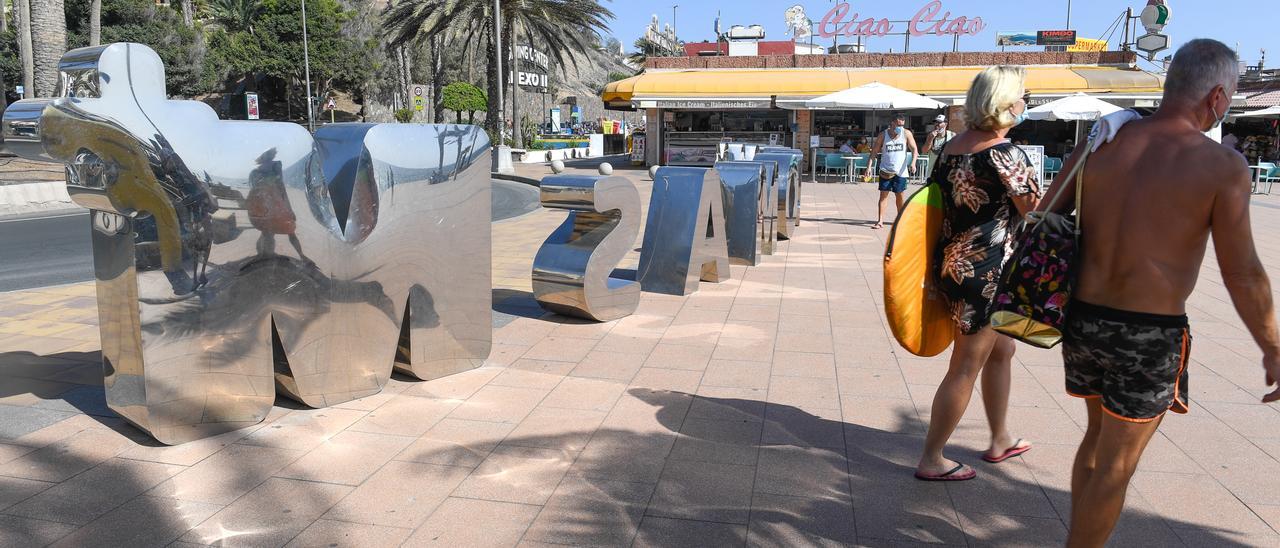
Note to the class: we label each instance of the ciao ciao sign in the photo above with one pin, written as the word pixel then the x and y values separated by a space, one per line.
pixel 930 20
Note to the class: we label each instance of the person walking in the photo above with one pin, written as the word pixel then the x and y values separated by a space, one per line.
pixel 1151 201
pixel 938 138
pixel 892 146
pixel 987 184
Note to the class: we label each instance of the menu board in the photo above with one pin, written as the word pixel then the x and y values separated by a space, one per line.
pixel 1036 154
pixel 692 155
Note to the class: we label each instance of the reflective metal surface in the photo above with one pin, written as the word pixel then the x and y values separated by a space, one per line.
pixel 684 234
pixel 237 258
pixel 797 163
pixel 788 183
pixel 571 272
pixel 747 202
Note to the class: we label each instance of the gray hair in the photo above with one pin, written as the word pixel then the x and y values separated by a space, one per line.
pixel 1199 66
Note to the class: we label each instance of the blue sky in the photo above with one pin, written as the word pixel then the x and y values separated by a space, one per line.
pixel 1231 21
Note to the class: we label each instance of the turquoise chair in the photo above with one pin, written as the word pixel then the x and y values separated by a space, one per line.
pixel 1052 166
pixel 861 163
pixel 1270 176
pixel 834 162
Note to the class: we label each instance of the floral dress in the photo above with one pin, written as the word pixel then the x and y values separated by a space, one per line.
pixel 977 191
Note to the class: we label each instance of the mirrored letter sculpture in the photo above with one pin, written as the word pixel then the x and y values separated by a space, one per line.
pixel 237 258
pixel 571 271
pixel 684 239
pixel 788 183
pixel 797 162
pixel 748 214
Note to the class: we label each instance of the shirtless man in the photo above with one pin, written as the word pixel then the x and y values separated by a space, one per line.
pixel 1152 199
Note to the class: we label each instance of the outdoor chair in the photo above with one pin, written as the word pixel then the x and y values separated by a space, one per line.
pixel 1270 177
pixel 1052 166
pixel 834 162
pixel 861 163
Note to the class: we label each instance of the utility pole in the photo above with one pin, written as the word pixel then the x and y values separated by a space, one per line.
pixel 1068 14
pixel 497 40
pixel 306 64
pixel 674 35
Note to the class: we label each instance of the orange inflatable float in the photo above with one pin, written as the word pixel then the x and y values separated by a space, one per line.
pixel 917 313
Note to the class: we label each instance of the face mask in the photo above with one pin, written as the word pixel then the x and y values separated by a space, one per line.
pixel 897 130
pixel 1218 120
pixel 1019 118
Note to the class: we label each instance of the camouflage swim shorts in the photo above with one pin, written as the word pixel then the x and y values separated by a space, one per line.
pixel 1135 362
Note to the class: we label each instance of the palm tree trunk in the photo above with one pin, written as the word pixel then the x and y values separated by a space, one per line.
pixel 494 83
pixel 517 140
pixel 4 21
pixel 188 14
pixel 437 83
pixel 49 42
pixel 95 22
pixel 24 48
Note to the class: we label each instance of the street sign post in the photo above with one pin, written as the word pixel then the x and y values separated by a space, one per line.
pixel 1152 43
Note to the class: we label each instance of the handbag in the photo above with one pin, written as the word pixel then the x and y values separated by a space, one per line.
pixel 1036 282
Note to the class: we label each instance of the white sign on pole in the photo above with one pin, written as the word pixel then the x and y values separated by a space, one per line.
pixel 815 141
pixel 1036 154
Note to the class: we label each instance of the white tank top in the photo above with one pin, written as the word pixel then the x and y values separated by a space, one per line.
pixel 893 157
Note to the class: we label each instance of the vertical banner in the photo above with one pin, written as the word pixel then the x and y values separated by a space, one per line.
pixel 637 149
pixel 251 105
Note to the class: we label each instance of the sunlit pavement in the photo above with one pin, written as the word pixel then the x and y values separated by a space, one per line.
pixel 771 409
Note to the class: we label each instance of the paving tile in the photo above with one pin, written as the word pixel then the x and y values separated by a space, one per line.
pixel 802 472
pixel 758 349
pixel 804 392
pixel 810 427
pixel 470 522
pixel 1197 501
pixel 342 534
pixel 556 428
pixel 15 490
pixel 226 475
pixel 616 343
pixel 59 461
pixel 87 496
pixel 587 394
pixel 804 364
pixel 541 374
pixel 141 522
pixel 624 456
pixel 585 511
pixel 731 404
pixel 16 531
pixel 458 386
pixel 680 356
pixel 522 475
pixel 706 491
pixel 605 364
pixel 305 429
pixel 270 515
pixel 563 349
pixel 737 374
pixel 726 442
pixel 401 494
pixel 674 533
pixel 192 452
pixel 796 521
pixel 456 442
pixel 667 379
pixel 408 416
pixel 347 458
pixel 499 404
pixel 1008 530
pixel 17 421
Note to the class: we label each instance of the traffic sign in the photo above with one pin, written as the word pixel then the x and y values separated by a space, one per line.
pixel 419 103
pixel 1153 43
pixel 332 104
pixel 417 91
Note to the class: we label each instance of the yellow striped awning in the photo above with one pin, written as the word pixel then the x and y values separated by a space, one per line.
pixel 810 83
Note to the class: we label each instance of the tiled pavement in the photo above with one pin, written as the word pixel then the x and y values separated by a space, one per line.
pixel 772 409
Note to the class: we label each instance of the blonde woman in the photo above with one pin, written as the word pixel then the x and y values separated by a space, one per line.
pixel 987 185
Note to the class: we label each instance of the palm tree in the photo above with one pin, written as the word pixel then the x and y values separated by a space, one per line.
pixel 234 15
pixel 24 48
pixel 561 26
pixel 48 43
pixel 646 48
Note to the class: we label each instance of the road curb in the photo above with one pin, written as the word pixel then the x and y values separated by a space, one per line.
pixel 34 198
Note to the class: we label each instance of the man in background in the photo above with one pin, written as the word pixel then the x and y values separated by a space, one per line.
pixel 895 166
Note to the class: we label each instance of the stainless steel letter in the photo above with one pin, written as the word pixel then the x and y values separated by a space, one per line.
pixel 684 238
pixel 385 259
pixel 788 183
pixel 747 201
pixel 571 271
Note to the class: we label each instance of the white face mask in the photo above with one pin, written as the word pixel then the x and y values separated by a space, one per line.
pixel 1218 120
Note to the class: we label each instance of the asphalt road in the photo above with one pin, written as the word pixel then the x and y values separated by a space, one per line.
pixel 45 251
pixel 55 250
